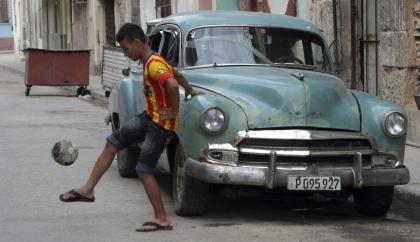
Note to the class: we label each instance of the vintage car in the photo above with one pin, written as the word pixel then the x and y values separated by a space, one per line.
pixel 272 114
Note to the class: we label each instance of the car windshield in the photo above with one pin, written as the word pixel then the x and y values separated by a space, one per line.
pixel 254 46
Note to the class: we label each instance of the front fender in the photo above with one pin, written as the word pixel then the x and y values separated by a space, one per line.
pixel 126 98
pixel 373 112
pixel 192 136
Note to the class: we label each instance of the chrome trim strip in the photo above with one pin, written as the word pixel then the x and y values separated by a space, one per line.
pixel 301 153
pixel 298 134
pixel 221 147
pixel 256 176
pixel 357 170
pixel 271 171
pixel 297 153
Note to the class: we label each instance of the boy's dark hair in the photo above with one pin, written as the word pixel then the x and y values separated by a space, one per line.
pixel 131 32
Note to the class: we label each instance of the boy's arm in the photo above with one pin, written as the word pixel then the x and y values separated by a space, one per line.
pixel 184 83
pixel 172 87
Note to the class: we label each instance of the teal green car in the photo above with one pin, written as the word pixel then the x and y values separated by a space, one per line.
pixel 272 114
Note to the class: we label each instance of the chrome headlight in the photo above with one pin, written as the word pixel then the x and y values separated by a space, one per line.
pixel 395 125
pixel 214 120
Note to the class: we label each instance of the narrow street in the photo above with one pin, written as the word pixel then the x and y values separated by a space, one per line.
pixel 31 183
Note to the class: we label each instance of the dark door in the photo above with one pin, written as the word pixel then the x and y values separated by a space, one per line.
pixel 110 22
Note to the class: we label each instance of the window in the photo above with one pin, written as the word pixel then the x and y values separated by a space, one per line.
pixel 4 15
pixel 166 43
pixel 317 53
pixel 255 46
pixel 110 22
pixel 163 8
pixel 170 47
pixel 154 41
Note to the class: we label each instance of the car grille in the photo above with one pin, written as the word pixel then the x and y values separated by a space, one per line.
pixel 337 153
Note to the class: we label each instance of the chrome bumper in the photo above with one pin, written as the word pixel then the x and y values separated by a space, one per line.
pixel 271 176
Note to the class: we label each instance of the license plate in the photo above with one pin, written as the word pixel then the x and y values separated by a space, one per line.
pixel 314 183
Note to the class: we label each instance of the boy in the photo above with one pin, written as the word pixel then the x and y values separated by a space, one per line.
pixel 154 127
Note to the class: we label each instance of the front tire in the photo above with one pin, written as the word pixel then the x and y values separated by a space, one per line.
pixel 373 201
pixel 190 195
pixel 127 161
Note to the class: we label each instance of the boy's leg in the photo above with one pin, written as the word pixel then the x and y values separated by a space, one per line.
pixel 131 132
pixel 153 192
pixel 102 164
pixel 152 148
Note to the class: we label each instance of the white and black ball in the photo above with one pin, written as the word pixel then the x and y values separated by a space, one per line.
pixel 64 153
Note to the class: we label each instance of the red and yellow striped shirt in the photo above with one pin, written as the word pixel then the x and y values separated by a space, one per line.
pixel 156 73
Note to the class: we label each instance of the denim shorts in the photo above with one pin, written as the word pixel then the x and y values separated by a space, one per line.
pixel 142 129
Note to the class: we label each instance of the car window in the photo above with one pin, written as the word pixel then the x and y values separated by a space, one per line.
pixel 166 43
pixel 318 54
pixel 170 47
pixel 155 41
pixel 255 45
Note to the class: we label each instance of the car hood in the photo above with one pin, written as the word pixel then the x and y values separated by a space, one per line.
pixel 273 97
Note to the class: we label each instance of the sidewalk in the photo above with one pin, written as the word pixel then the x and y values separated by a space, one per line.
pixel 412 190
pixel 10 62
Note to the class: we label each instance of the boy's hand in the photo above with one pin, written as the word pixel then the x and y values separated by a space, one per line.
pixel 191 93
pixel 168 113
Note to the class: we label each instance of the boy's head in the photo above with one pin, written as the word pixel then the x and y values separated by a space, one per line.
pixel 132 40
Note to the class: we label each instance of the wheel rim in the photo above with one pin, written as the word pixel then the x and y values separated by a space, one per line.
pixel 180 177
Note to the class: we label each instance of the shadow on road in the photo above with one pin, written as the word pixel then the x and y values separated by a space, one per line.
pixel 52 95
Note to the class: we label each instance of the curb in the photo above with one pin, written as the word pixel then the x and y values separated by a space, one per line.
pixel 97 98
pixel 406 194
pixel 413 144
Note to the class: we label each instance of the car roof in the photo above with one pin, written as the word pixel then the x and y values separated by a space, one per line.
pixel 189 20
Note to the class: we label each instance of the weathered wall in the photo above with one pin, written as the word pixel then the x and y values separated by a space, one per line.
pixel 96 33
pixel 122 12
pixel 148 11
pixel 417 40
pixel 397 50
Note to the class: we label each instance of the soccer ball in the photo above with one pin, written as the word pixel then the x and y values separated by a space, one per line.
pixel 64 153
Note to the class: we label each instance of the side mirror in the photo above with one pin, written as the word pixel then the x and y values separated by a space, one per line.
pixel 126 72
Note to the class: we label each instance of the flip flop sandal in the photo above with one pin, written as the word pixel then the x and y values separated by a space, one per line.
pixel 76 197
pixel 157 227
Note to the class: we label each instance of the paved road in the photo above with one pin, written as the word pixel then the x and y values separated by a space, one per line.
pixel 31 182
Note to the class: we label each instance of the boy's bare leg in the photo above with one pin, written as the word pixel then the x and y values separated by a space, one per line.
pixel 153 192
pixel 102 164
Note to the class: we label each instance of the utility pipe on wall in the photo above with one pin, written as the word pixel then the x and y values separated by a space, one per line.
pixel 353 10
pixel 335 22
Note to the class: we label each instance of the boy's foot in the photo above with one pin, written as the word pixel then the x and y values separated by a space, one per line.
pixel 76 195
pixel 155 226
